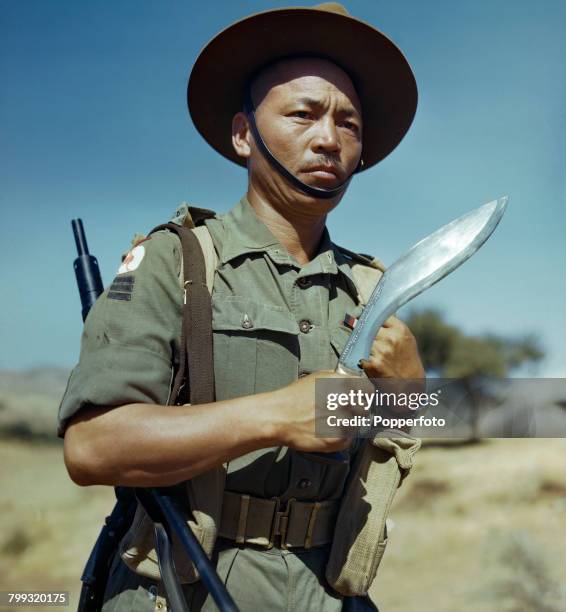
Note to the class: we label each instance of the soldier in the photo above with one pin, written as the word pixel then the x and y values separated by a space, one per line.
pixel 303 98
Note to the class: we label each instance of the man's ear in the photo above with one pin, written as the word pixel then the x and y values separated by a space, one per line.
pixel 241 135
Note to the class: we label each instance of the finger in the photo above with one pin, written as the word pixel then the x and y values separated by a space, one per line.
pixel 386 336
pixel 381 350
pixel 372 366
pixel 388 333
pixel 393 335
pixel 384 343
pixel 393 321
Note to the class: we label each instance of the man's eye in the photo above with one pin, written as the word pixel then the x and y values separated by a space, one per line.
pixel 301 114
pixel 350 126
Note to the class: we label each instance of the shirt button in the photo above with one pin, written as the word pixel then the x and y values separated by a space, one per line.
pixel 304 483
pixel 247 323
pixel 304 282
pixel 152 592
pixel 305 326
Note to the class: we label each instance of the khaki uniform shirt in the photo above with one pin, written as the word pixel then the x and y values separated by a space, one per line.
pixel 273 321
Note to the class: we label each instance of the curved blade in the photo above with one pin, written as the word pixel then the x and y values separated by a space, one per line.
pixel 424 264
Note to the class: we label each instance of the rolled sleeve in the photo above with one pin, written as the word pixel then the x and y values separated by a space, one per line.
pixel 131 336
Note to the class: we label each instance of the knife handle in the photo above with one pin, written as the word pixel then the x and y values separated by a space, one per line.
pixel 337 456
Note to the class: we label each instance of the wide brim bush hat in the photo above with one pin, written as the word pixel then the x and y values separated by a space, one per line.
pixel 379 71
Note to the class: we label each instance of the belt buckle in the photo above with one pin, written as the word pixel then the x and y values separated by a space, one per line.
pixel 280 523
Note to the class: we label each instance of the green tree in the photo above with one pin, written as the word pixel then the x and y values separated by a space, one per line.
pixel 448 352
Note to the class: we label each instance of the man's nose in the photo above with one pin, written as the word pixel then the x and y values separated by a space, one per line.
pixel 326 138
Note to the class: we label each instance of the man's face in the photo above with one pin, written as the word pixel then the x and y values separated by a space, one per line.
pixel 309 115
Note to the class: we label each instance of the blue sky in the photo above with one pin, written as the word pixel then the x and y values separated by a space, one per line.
pixel 93 124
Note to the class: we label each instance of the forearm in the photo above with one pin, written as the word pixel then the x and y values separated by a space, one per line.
pixel 151 445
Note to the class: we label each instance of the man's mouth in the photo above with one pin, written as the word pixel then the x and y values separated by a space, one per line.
pixel 326 173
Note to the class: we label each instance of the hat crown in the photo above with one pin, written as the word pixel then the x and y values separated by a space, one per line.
pixel 332 7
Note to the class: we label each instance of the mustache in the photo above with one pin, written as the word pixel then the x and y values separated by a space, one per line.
pixel 328 161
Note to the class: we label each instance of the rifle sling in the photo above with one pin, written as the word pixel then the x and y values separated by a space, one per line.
pixel 196 365
pixel 195 369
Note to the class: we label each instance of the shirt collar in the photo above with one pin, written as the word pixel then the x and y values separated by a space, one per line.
pixel 248 234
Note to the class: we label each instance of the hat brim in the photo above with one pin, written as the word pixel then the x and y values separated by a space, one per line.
pixel 380 73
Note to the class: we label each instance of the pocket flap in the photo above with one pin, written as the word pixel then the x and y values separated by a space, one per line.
pixel 338 339
pixel 242 314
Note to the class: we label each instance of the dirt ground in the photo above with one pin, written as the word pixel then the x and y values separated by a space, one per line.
pixel 477 527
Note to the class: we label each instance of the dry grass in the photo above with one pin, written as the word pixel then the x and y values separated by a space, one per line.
pixel 477 527
pixel 48 523
pixel 455 547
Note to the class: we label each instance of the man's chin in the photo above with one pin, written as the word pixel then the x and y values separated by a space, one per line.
pixel 319 206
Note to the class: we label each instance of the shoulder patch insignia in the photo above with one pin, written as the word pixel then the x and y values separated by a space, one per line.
pixel 122 288
pixel 132 260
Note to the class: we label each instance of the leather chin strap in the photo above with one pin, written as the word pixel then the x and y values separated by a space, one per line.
pixel 315 192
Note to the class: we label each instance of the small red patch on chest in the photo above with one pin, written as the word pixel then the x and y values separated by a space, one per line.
pixel 350 321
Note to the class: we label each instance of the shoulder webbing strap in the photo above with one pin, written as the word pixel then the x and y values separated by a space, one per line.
pixel 365 278
pixel 209 253
pixel 196 365
pixel 366 270
pixel 362 258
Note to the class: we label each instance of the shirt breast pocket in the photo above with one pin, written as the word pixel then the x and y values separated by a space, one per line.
pixel 338 338
pixel 256 346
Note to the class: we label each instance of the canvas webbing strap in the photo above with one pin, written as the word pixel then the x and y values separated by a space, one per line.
pixel 270 522
pixel 196 366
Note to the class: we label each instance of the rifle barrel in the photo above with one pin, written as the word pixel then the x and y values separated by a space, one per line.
pixel 80 238
pixel 87 271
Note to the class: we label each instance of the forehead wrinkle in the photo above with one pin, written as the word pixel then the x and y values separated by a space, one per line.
pixel 342 107
pixel 288 72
